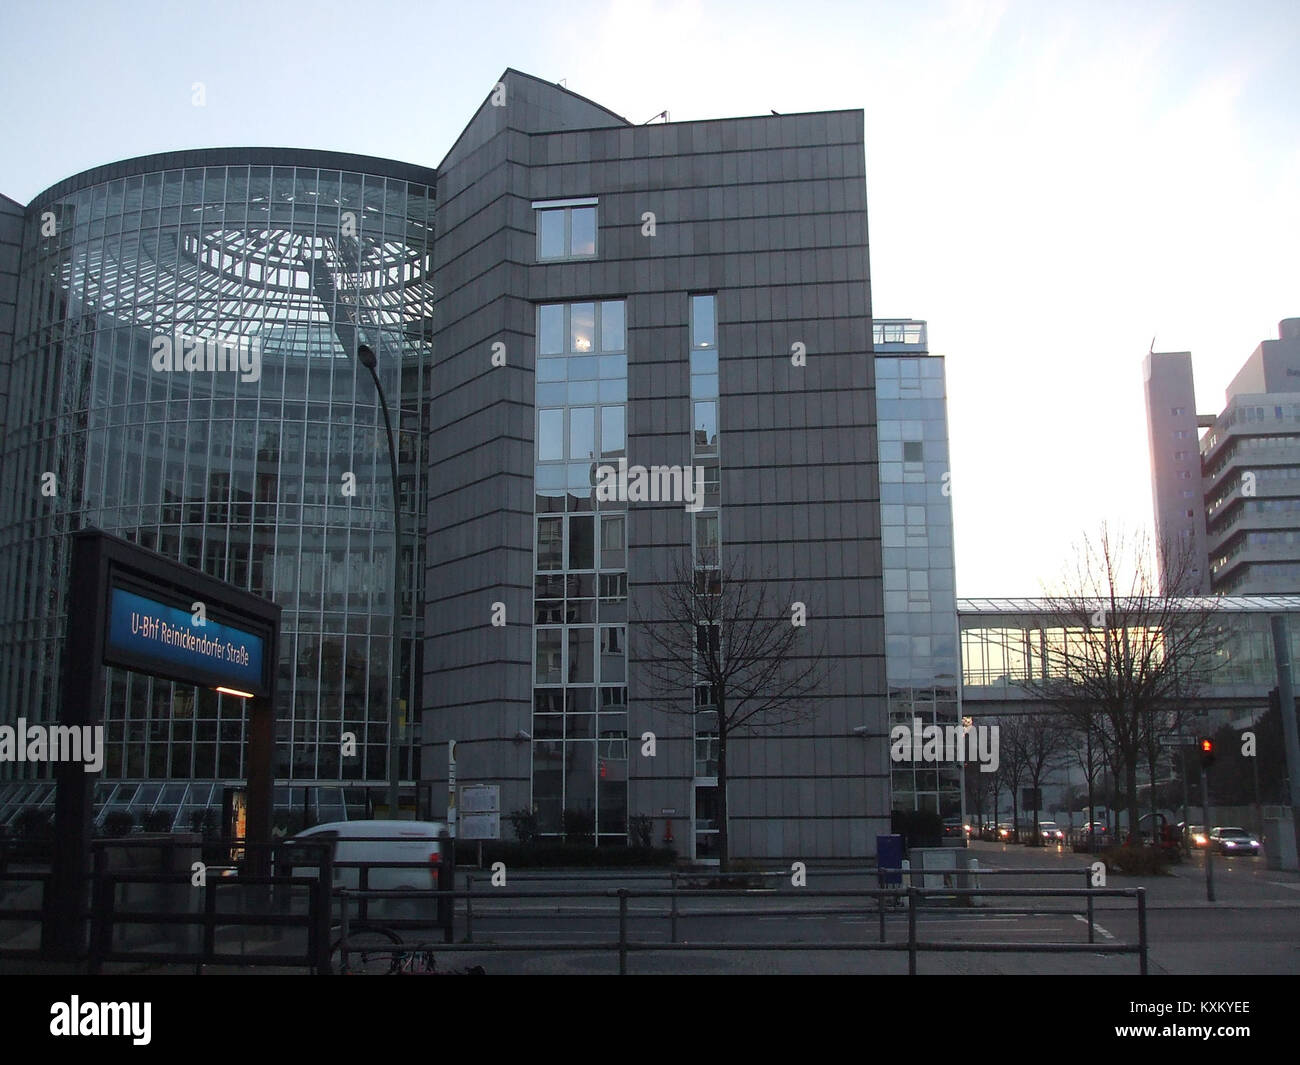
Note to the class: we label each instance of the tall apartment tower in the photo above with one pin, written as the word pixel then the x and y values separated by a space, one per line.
pixel 1244 492
pixel 1172 431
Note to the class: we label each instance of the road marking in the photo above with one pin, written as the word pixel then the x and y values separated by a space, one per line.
pixel 1081 917
pixel 1279 883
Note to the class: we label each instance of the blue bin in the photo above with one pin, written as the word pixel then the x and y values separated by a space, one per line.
pixel 889 856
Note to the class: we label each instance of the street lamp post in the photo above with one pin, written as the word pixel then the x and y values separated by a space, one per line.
pixel 366 356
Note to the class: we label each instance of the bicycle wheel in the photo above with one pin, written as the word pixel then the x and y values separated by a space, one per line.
pixel 371 951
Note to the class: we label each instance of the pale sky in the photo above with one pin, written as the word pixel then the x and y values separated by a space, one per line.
pixel 1051 185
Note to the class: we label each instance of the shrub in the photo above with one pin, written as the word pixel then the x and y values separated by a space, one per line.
pixel 1136 861
pixel 640 830
pixel 157 821
pixel 524 822
pixel 33 824
pixel 119 823
pixel 579 827
pixel 204 822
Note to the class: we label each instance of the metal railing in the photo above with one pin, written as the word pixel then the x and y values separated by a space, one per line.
pixel 914 897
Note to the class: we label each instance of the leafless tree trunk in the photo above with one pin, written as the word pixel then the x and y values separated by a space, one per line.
pixel 725 641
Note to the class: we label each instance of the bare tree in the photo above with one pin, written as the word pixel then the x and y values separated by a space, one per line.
pixel 1043 740
pixel 1125 647
pixel 1012 759
pixel 732 652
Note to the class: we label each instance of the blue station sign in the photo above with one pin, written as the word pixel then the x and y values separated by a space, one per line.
pixel 155 637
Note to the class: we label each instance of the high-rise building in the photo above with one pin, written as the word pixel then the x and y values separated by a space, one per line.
pixel 1230 500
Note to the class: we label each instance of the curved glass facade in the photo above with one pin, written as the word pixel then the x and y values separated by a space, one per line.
pixel 183 376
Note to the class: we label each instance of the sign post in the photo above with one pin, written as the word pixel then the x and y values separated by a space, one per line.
pixel 135 609
pixel 480 809
pixel 451 788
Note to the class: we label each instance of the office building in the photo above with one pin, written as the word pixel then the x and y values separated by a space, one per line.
pixel 921 653
pixel 1230 497
pixel 693 294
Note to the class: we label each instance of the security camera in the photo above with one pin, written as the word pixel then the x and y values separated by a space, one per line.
pixel 861 730
pixel 522 736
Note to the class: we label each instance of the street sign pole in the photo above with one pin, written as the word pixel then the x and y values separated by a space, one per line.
pixel 1209 843
pixel 451 788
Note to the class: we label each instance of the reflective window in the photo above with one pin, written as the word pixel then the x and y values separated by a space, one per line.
pixel 550 543
pixel 582 231
pixel 566 232
pixel 550 329
pixel 583 329
pixel 704 326
pixel 550 235
pixel 706 426
pixel 550 435
pixel 613 441
pixel 613 326
pixel 582 432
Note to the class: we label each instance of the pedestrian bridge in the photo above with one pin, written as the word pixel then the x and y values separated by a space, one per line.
pixel 1002 640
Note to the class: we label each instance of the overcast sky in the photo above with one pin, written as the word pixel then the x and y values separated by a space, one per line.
pixel 1051 185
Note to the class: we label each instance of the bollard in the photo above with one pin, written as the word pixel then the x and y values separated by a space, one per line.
pixel 1142 931
pixel 880 907
pixel 1087 877
pixel 469 908
pixel 912 901
pixel 344 931
pixel 672 935
pixel 209 926
pixel 622 931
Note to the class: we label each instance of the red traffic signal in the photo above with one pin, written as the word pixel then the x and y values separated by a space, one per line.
pixel 1206 746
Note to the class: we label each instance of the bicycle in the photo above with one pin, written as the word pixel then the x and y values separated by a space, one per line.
pixel 374 950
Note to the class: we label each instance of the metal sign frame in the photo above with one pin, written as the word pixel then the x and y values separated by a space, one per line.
pixel 99 562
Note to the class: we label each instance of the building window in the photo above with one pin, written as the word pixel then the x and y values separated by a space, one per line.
pixel 704 322
pixel 566 229
pixel 913 451
pixel 1178 412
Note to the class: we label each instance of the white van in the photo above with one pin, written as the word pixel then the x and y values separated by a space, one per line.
pixel 413 844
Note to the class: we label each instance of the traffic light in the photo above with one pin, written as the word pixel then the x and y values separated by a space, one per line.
pixel 1206 747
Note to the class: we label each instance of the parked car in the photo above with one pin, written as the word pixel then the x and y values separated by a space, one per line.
pixel 1234 841
pixel 396 855
pixel 1050 832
